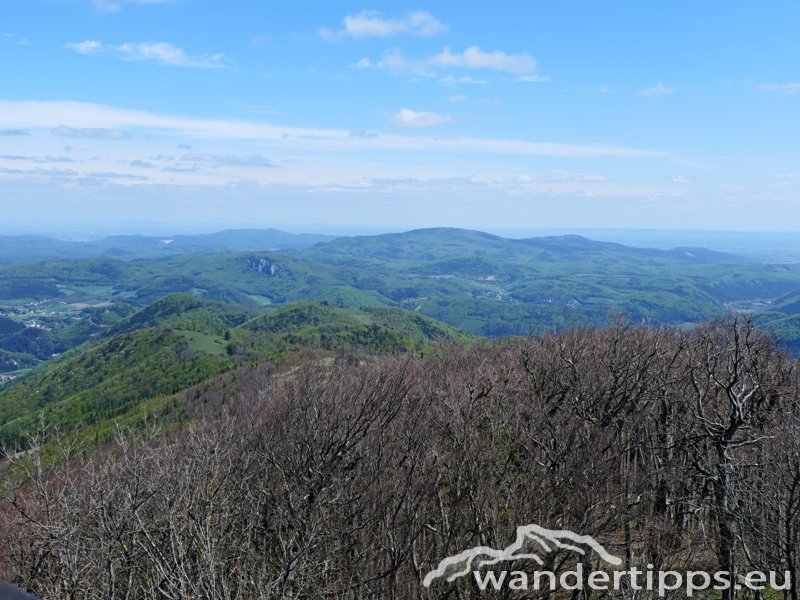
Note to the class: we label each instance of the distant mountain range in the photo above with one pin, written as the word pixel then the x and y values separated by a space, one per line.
pixel 476 282
pixel 24 248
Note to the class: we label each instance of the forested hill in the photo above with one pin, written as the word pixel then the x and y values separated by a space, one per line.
pixel 473 281
pixel 135 366
pixel 446 242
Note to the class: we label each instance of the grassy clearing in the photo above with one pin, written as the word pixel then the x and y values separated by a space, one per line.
pixel 205 342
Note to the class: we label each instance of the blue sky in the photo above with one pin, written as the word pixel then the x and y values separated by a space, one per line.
pixel 501 115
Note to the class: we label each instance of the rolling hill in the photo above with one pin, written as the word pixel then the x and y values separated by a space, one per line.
pixel 473 281
pixel 374 330
pixel 135 365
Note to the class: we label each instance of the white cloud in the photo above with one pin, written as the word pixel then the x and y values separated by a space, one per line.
pixel 406 117
pixel 658 90
pixel 86 47
pixel 475 58
pixel 31 115
pixel 395 62
pixel 458 98
pixel 450 80
pixel 161 53
pixel 167 54
pixel 785 88
pixel 372 24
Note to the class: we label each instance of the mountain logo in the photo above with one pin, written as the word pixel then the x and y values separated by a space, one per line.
pixel 528 537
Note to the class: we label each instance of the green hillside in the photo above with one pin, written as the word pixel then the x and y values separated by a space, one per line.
pixel 154 352
pixel 180 341
pixel 105 381
pixel 374 330
pixel 182 311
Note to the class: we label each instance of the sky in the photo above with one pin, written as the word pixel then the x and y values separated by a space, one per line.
pixel 492 115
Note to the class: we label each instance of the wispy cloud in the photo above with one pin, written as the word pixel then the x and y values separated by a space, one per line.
pixel 167 54
pixel 364 134
pixel 571 176
pixel 97 133
pixel 106 6
pixel 406 117
pixel 395 61
pixel 229 160
pixel 451 80
pixel 112 6
pixel 39 172
pixel 82 116
pixel 19 41
pixel 473 58
pixel 86 47
pixel 161 53
pixel 14 132
pixel 180 169
pixel 372 24
pixel 681 179
pixel 142 164
pixel 55 159
pixel 783 88
pixel 115 175
pixel 658 90
pixel 533 78
pixel 600 89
